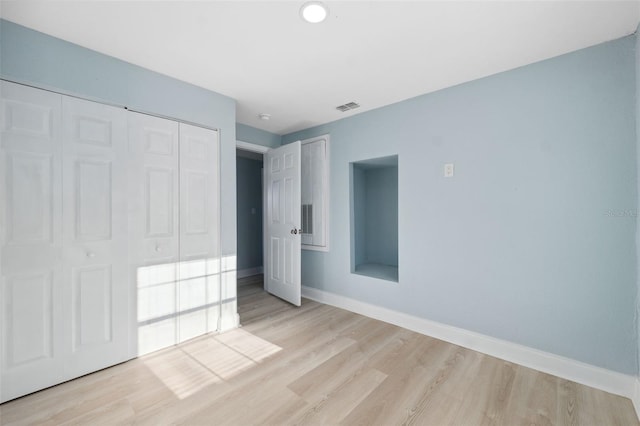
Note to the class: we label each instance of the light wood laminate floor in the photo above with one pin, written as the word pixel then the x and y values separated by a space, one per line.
pixel 317 365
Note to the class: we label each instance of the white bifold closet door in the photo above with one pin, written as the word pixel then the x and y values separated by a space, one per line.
pixel 174 237
pixel 31 241
pixel 109 236
pixel 63 247
pixel 199 291
pixel 94 235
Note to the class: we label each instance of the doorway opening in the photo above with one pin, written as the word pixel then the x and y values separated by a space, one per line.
pixel 281 234
pixel 249 208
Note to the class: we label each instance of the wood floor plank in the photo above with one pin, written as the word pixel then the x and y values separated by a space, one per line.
pixel 333 407
pixel 397 396
pixel 317 365
pixel 329 375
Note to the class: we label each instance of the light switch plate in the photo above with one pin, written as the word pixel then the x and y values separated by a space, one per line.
pixel 448 170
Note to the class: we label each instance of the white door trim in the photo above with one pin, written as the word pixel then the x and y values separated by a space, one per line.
pixel 248 146
pixel 260 149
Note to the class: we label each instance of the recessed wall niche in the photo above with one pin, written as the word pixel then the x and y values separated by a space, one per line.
pixel 374 217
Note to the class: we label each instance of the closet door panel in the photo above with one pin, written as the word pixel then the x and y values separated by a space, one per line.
pixel 96 294
pixel 159 202
pixel 199 272
pixel 29 187
pixel 154 235
pixel 30 240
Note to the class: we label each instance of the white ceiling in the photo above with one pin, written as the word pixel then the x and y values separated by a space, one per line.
pixel 373 52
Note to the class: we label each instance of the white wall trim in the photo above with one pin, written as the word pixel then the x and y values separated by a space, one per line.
pixel 566 368
pixel 253 147
pixel 249 272
pixel 636 397
pixel 314 248
pixel 325 188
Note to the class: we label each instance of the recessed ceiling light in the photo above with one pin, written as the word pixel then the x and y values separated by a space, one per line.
pixel 314 12
pixel 264 116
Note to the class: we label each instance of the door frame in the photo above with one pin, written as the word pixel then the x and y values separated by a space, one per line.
pixel 260 149
pixel 248 146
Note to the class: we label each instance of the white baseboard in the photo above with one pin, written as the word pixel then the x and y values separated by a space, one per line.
pixel 235 324
pixel 566 368
pixel 636 396
pixel 249 272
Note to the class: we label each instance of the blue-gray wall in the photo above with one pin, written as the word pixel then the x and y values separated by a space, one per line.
pixel 525 242
pixel 382 216
pixel 250 134
pixel 375 215
pixel 358 229
pixel 33 58
pixel 249 208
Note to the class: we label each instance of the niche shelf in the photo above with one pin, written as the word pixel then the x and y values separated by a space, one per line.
pixel 374 217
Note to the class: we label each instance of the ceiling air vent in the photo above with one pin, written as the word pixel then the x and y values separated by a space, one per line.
pixel 348 106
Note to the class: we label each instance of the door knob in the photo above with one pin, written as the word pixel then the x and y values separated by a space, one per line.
pixel 158 249
pixel 91 254
pixel 294 231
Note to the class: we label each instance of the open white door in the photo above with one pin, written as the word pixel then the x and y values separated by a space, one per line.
pixel 282 222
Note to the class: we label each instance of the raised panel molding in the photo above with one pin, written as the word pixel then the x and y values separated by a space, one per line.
pixel 288 267
pixel 289 214
pixel 288 161
pixel 159 202
pixel 27 119
pixel 275 203
pixel 197 149
pixel 275 258
pixel 156 285
pixel 92 131
pixel 196 204
pixel 29 198
pixel 93 200
pixel 28 321
pixel 158 142
pixel 275 164
pixel 92 305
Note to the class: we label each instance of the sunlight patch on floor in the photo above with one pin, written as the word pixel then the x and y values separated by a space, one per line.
pixel 230 353
pixel 208 360
pixel 249 345
pixel 179 373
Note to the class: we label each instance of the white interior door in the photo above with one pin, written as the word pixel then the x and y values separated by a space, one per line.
pixel 199 270
pixel 283 233
pixel 95 275
pixel 31 307
pixel 154 230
